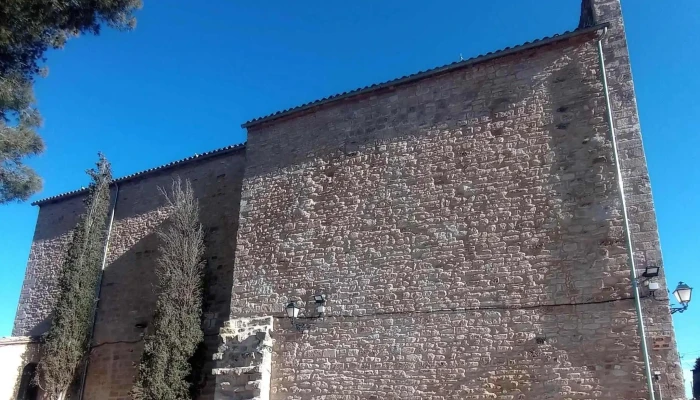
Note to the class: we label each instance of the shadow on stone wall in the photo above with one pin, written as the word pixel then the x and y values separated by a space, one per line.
pixel 584 222
pixel 125 312
pixel 128 301
pixel 589 343
pixel 41 327
pixel 347 213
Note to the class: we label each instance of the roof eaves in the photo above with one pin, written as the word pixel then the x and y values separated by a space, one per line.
pixel 428 73
pixel 196 157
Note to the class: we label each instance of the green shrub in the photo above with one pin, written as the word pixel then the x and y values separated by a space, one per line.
pixel 67 341
pixel 165 363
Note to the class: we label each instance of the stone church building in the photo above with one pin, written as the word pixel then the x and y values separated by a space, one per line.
pixel 463 225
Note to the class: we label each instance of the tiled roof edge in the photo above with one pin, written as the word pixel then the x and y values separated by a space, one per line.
pixel 196 157
pixel 425 74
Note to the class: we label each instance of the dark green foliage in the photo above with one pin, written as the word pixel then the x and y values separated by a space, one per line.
pixel 28 28
pixel 165 369
pixel 17 141
pixel 67 340
pixel 697 364
pixel 198 376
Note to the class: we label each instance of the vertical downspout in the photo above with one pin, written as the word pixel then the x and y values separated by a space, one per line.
pixel 99 289
pixel 625 217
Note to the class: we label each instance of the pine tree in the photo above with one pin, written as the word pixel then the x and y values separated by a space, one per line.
pixel 165 362
pixel 67 342
pixel 28 28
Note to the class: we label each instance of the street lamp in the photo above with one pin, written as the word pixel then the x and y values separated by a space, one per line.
pixel 683 293
pixel 320 300
pixel 292 310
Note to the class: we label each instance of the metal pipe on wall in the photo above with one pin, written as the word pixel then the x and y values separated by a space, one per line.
pixel 625 217
pixel 99 289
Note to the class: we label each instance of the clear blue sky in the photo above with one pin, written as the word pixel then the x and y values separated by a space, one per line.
pixel 192 72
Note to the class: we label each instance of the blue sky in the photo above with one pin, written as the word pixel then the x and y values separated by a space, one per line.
pixel 190 74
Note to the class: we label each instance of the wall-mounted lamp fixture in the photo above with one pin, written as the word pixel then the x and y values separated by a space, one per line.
pixel 142 327
pixel 320 300
pixel 683 294
pixel 293 313
pixel 292 310
pixel 657 378
pixel 651 271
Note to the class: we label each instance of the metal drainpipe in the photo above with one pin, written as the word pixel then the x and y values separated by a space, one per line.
pixel 99 289
pixel 625 217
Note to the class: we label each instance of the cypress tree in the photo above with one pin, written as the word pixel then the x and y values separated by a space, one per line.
pixel 67 341
pixel 165 363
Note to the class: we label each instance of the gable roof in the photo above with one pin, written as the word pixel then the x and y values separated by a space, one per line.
pixel 425 74
pixel 195 157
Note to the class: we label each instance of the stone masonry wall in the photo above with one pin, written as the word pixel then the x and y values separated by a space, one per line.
pixel 564 352
pixel 658 322
pixel 128 289
pixel 465 228
pixel 51 237
pixel 243 361
pixel 128 292
pixel 467 231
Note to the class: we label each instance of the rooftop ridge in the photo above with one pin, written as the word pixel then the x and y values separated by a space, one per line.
pixel 427 73
pixel 195 157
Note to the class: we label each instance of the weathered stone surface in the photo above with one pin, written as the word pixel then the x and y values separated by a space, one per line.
pixel 243 363
pixel 548 353
pixel 466 229
pixel 638 190
pixel 451 221
pixel 128 293
pixel 51 237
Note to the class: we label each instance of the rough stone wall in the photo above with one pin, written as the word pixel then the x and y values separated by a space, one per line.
pixel 51 237
pixel 658 321
pixel 564 352
pixel 243 360
pixel 128 292
pixel 466 229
